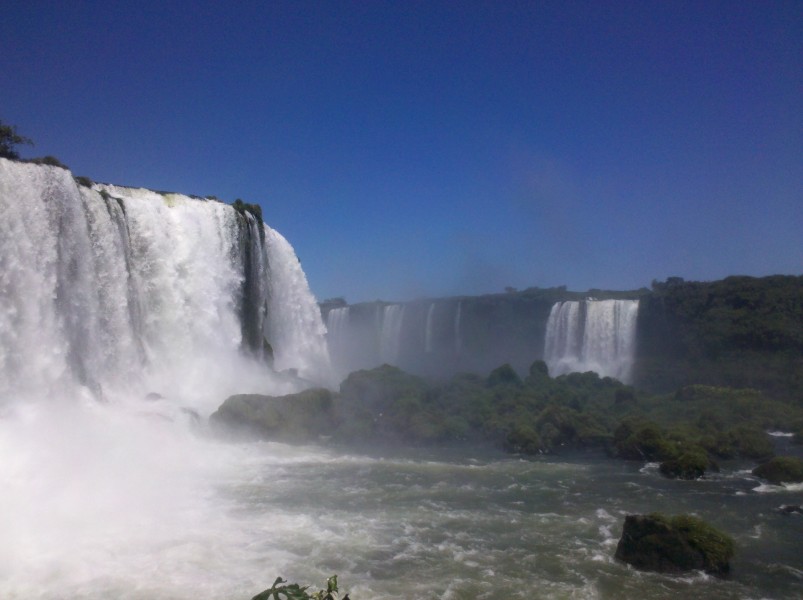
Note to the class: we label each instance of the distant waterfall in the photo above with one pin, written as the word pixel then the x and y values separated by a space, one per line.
pixel 390 333
pixel 122 290
pixel 458 340
pixel 337 321
pixel 428 328
pixel 592 335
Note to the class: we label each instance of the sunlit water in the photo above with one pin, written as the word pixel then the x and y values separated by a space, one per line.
pixel 165 513
pixel 121 324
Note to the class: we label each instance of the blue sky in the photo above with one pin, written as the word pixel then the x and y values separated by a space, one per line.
pixel 431 148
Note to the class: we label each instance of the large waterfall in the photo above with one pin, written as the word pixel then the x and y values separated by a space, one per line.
pixel 118 292
pixel 390 333
pixel 126 316
pixel 592 335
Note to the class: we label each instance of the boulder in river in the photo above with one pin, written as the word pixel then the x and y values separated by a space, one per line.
pixel 676 544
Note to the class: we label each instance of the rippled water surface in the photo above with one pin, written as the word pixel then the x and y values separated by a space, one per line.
pixel 456 524
pixel 446 523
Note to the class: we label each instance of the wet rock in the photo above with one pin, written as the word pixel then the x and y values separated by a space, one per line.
pixel 300 417
pixel 688 465
pixel 674 545
pixel 781 469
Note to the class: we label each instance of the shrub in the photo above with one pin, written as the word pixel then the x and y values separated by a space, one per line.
pixel 50 161
pixel 690 464
pixel 9 139
pixel 281 590
pixel 781 469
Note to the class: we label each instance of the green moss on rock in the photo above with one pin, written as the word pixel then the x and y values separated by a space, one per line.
pixel 674 545
pixel 690 464
pixel 781 469
pixel 300 417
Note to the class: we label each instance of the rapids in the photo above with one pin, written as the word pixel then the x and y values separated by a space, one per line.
pixel 127 316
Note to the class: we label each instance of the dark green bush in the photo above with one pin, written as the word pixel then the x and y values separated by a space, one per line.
pixel 781 469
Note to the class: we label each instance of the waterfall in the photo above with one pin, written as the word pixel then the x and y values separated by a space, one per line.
pixel 458 340
pixel 390 333
pixel 428 329
pixel 592 335
pixel 121 291
pixel 337 321
pixel 296 328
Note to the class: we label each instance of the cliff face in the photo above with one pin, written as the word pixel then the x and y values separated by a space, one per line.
pixel 740 331
pixel 443 336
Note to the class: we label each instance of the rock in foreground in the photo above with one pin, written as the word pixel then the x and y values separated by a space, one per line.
pixel 674 545
pixel 298 418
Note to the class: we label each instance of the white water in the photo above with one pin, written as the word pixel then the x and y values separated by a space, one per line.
pixel 390 333
pixel 123 498
pixel 458 340
pixel 296 329
pixel 337 321
pixel 593 335
pixel 428 328
pixel 108 295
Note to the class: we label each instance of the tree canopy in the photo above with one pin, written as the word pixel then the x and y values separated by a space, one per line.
pixel 9 139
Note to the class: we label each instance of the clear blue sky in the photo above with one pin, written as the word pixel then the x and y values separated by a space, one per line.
pixel 436 148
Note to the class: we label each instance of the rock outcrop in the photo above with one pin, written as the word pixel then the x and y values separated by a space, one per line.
pixel 781 469
pixel 301 417
pixel 674 545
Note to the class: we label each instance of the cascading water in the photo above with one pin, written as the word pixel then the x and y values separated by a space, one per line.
pixel 337 321
pixel 125 316
pixel 428 328
pixel 390 333
pixel 592 335
pixel 458 340
pixel 296 329
pixel 110 293
pixel 123 291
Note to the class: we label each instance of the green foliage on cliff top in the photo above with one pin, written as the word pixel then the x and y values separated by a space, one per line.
pixel 10 139
pixel 739 332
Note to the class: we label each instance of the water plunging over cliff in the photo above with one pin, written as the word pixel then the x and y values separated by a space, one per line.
pixel 592 335
pixel 121 291
pixel 390 333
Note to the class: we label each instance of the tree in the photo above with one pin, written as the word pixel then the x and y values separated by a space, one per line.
pixel 9 138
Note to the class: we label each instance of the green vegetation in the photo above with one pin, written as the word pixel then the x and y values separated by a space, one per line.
pixel 255 210
pixel 50 161
pixel 9 140
pixel 688 432
pixel 293 418
pixel 281 590
pixel 83 181
pixel 743 332
pixel 689 464
pixel 243 207
pixel 674 544
pixel 781 469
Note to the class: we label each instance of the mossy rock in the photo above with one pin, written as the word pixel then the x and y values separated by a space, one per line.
pixel 674 545
pixel 642 441
pixel 781 469
pixel 301 417
pixel 690 464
